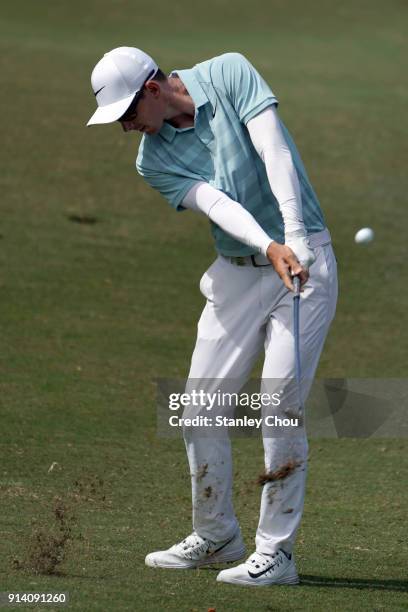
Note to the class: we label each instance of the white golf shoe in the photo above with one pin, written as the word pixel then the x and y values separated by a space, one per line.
pixel 262 570
pixel 196 551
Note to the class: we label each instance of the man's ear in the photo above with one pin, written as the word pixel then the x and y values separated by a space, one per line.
pixel 154 88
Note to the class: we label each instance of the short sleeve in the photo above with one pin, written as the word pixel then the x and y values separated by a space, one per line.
pixel 244 86
pixel 171 186
pixel 154 165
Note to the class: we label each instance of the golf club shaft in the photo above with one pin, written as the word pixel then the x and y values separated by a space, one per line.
pixel 296 335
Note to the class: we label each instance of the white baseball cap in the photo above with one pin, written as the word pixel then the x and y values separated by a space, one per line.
pixel 116 79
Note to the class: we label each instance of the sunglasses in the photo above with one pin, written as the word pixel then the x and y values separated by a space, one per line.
pixel 130 112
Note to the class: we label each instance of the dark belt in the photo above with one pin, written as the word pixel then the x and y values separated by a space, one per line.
pixel 260 261
pixel 249 260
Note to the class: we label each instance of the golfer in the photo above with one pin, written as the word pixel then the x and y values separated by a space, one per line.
pixel 213 142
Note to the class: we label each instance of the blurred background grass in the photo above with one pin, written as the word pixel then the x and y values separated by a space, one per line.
pixel 92 313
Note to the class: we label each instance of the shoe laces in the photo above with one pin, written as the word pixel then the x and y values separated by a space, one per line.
pixel 261 561
pixel 194 546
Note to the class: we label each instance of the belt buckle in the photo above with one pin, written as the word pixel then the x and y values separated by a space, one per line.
pixel 257 265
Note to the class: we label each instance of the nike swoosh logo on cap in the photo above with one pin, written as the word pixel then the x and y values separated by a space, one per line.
pixel 96 92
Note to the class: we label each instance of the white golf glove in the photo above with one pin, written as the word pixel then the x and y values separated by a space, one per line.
pixel 299 243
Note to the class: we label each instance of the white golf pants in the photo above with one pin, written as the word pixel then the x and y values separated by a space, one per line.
pixel 248 308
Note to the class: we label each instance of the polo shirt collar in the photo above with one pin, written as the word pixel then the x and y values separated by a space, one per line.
pixel 198 95
pixel 193 86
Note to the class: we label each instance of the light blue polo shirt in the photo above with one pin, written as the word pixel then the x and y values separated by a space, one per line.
pixel 227 92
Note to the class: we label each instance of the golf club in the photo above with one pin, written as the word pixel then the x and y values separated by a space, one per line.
pixel 296 334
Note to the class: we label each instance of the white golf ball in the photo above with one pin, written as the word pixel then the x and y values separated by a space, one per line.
pixel 364 235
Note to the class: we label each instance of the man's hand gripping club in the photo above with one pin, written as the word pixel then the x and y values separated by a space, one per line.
pixel 292 258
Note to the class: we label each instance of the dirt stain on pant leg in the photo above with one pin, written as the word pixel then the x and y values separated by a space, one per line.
pixel 207 492
pixel 280 474
pixel 271 494
pixel 202 471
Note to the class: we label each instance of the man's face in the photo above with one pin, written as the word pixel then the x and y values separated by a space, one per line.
pixel 148 114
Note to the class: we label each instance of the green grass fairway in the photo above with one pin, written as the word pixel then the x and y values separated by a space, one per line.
pixel 99 296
